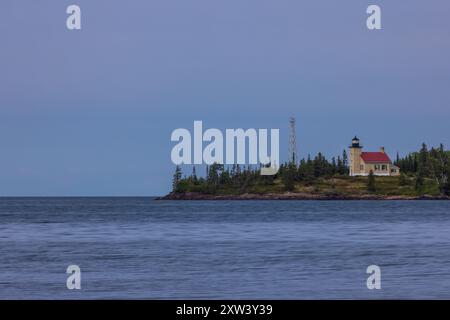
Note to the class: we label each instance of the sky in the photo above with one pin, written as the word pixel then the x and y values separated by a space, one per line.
pixel 90 112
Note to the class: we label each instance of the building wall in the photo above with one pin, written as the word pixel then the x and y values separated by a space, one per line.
pixel 397 170
pixel 355 161
pixel 377 169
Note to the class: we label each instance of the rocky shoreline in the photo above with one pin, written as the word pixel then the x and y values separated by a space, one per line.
pixel 292 196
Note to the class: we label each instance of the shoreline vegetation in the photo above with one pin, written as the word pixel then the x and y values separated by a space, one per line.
pixel 424 176
pixel 292 196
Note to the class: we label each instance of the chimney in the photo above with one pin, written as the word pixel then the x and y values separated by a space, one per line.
pixel 382 149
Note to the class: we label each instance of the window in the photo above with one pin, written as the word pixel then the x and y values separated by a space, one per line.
pixel 377 167
pixel 384 167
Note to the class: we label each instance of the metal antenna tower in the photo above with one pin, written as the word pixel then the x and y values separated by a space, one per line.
pixel 292 156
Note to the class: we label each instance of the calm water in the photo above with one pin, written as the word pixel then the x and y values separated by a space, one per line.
pixel 142 248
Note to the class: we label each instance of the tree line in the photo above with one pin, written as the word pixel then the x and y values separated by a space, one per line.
pixel 426 164
pixel 433 164
pixel 240 177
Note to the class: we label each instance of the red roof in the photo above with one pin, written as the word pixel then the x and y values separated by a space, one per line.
pixel 379 157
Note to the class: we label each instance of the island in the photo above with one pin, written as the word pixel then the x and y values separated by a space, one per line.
pixel 362 176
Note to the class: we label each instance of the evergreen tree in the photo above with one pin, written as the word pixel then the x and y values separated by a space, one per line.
pixel 194 174
pixel 423 160
pixel 442 173
pixel 318 165
pixel 308 170
pixel 225 177
pixel 340 166
pixel 213 178
pixel 371 182
pixel 345 160
pixel 176 179
pixel 334 165
pixel 446 182
pixel 420 182
pixel 288 177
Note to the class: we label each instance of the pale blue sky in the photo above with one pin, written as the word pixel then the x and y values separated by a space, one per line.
pixel 90 112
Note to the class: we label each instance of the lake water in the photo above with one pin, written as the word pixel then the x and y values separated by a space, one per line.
pixel 141 248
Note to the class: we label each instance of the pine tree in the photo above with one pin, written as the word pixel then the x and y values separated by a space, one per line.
pixel 446 183
pixel 345 162
pixel 344 159
pixel 213 178
pixel 423 160
pixel 442 170
pixel 318 165
pixel 225 178
pixel 420 182
pixel 194 174
pixel 176 179
pixel 333 165
pixel 371 182
pixel 340 166
pixel 288 177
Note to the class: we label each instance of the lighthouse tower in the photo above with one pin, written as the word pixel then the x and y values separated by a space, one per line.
pixel 355 157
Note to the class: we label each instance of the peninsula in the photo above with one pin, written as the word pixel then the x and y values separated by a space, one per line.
pixel 362 176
